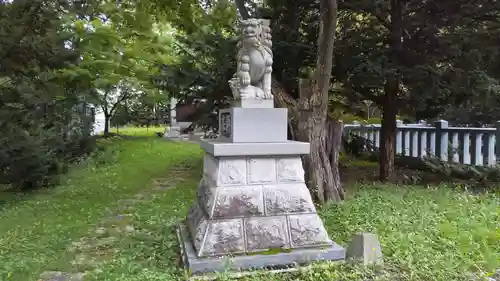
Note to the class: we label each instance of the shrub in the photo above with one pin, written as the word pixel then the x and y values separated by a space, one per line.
pixel 34 151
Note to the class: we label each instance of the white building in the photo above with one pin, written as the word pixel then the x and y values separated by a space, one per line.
pixel 98 120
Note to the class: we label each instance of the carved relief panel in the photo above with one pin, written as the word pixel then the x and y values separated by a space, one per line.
pixel 225 124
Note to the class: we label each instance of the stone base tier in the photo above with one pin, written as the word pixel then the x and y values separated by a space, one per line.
pixel 196 265
pixel 253 204
pixel 256 234
pixel 253 103
pixel 221 148
pixel 257 125
pixel 173 133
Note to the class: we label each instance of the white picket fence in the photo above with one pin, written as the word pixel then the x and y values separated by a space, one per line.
pixel 464 145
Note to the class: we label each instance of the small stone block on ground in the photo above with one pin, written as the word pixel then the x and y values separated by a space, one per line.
pixel 365 248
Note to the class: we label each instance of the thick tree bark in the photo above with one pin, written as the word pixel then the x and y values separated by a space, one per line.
pixel 323 179
pixel 335 130
pixel 106 124
pixel 319 159
pixel 240 4
pixel 392 89
pixel 388 131
pixel 311 129
pixel 283 100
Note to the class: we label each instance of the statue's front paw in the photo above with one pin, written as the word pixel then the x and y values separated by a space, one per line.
pixel 244 94
pixel 245 80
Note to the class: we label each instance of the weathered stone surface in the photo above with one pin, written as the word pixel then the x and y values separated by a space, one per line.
pixel 253 125
pixel 261 170
pixel 266 233
pixel 226 125
pixel 198 265
pixel 231 171
pixel 92 244
pixel 198 223
pixel 128 202
pixel 290 169
pixel 61 276
pixel 224 237
pixel 365 248
pixel 287 198
pixel 253 103
pixel 252 197
pixel 210 164
pixel 86 261
pixel 220 148
pixel 174 132
pixel 307 230
pixel 205 195
pixel 238 202
pixel 252 79
pixel 117 219
pixel 237 188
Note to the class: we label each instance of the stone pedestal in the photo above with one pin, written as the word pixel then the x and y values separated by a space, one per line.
pixel 173 132
pixel 253 208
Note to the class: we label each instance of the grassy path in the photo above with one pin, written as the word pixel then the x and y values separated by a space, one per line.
pixel 36 231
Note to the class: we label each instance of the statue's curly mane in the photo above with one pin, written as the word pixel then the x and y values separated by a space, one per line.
pixel 261 45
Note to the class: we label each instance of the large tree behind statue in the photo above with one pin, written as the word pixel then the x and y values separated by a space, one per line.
pixel 415 57
pixel 311 110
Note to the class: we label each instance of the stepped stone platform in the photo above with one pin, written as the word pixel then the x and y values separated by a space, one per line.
pixel 253 209
pixel 252 200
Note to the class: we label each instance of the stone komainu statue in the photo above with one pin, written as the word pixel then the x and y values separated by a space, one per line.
pixel 252 79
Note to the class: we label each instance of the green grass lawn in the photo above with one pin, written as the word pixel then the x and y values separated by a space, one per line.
pixel 138 131
pixel 426 234
pixel 36 230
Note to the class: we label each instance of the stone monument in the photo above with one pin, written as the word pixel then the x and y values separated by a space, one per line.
pixel 253 209
pixel 174 130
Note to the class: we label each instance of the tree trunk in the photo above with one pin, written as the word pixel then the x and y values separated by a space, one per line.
pixel 333 146
pixel 322 178
pixel 388 131
pixel 391 89
pixel 106 124
pixel 240 5
pixel 283 100
pixel 311 129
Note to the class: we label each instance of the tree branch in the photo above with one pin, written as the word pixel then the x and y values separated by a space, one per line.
pixel 243 11
pixel 122 98
pixel 104 104
pixel 344 5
